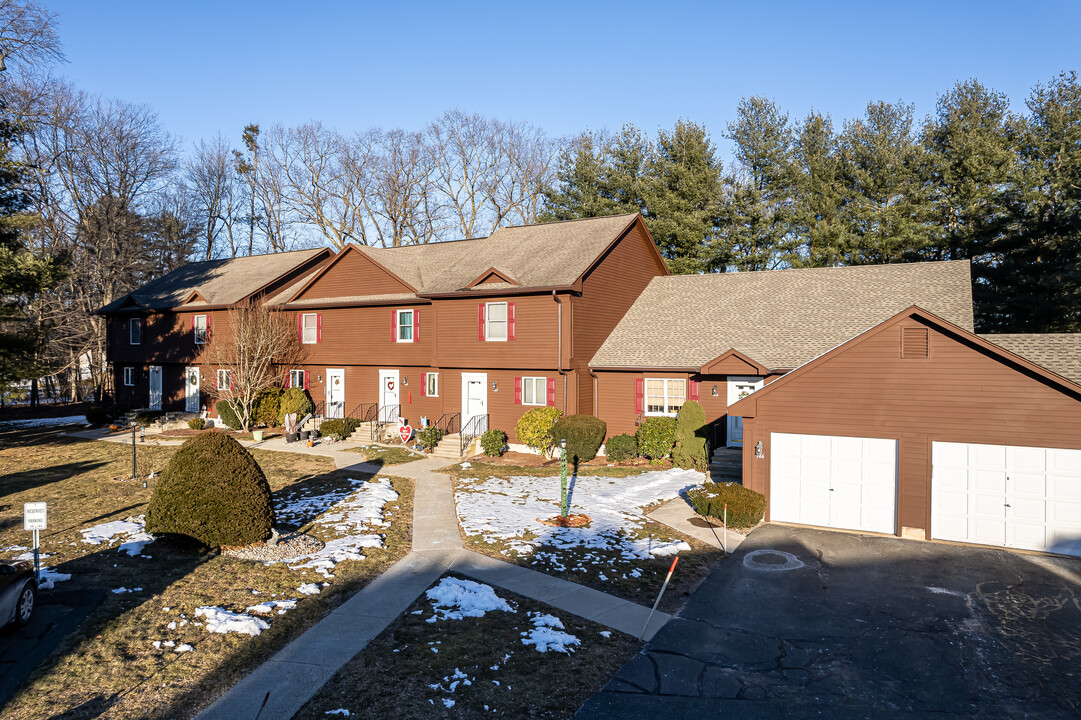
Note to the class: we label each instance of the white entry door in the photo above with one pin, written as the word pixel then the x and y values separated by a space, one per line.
pixel 389 394
pixel 335 393
pixel 474 396
pixel 191 389
pixel 739 388
pixel 155 387
pixel 1020 497
pixel 833 481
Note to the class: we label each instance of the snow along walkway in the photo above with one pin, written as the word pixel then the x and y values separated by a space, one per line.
pixel 296 673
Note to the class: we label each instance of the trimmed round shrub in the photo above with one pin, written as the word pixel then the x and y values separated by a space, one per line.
pixel 227 411
pixel 430 436
pixel 655 437
pixel 584 435
pixel 534 428
pixel 196 423
pixel 267 406
pixel 97 415
pixel 339 428
pixel 689 449
pixel 492 442
pixel 295 400
pixel 214 492
pixel 621 447
pixel 746 508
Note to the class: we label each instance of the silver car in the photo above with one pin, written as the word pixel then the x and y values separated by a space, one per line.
pixel 18 592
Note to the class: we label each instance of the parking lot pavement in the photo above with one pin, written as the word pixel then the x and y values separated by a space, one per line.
pixel 22 649
pixel 811 623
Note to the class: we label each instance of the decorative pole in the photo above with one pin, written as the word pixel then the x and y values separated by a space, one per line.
pixel 563 477
pixel 134 472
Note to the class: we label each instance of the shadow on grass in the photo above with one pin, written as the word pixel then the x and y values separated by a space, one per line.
pixel 30 479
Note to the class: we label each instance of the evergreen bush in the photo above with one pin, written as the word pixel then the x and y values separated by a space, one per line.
pixel 689 449
pixel 214 492
pixel 97 415
pixel 492 442
pixel 655 437
pixel 534 428
pixel 267 407
pixel 621 447
pixel 295 400
pixel 746 508
pixel 340 429
pixel 227 412
pixel 584 435
pixel 197 423
pixel 430 436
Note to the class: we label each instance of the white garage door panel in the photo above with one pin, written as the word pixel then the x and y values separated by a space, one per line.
pixel 834 481
pixel 1021 497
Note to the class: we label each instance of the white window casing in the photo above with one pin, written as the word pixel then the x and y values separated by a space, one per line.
pixel 664 396
pixel 495 324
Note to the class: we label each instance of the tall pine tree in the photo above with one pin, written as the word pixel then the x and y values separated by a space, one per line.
pixel 818 194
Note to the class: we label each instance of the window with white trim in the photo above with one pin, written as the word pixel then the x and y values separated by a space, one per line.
pixel 199 326
pixel 534 391
pixel 404 321
pixel 225 378
pixel 296 378
pixel 665 397
pixel 129 376
pixel 432 382
pixel 310 325
pixel 495 321
pixel 135 331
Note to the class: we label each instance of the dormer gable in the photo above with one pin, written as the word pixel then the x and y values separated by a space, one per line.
pixel 733 362
pixel 492 276
pixel 353 272
pixel 194 296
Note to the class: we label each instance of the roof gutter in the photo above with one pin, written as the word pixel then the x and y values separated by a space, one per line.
pixel 341 304
pixel 496 292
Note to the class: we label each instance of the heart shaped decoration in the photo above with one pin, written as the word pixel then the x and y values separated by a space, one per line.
pixel 406 432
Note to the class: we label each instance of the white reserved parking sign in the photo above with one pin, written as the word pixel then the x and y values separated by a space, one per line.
pixel 35 516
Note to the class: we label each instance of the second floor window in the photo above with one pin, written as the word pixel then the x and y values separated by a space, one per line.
pixel 225 378
pixel 310 328
pixel 496 321
pixel 200 325
pixel 404 326
pixel 129 376
pixel 135 331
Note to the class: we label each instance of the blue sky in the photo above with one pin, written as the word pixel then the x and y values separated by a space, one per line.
pixel 565 66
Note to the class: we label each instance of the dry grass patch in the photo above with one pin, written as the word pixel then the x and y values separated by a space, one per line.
pixel 388 455
pixel 110 663
pixel 394 675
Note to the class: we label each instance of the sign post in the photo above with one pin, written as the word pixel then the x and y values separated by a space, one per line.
pixel 35 519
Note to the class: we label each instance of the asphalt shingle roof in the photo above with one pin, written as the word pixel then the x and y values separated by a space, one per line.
pixel 1058 352
pixel 779 318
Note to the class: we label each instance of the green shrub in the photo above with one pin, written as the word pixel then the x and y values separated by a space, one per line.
pixel 267 406
pixel 212 491
pixel 492 442
pixel 339 428
pixel 534 428
pixel 227 412
pixel 430 436
pixel 746 508
pixel 97 415
pixel 584 434
pixel 148 417
pixel 197 423
pixel 621 447
pixel 655 437
pixel 295 400
pixel 689 449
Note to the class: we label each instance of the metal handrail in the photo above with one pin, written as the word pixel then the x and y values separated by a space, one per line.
pixel 449 423
pixel 476 427
pixel 386 415
pixel 364 412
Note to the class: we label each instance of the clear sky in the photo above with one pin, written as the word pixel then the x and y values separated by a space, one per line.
pixel 565 66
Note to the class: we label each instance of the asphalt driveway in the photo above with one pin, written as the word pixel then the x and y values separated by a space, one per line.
pixel 854 626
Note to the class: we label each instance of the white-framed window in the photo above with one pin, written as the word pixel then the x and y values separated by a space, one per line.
pixel 432 384
pixel 534 391
pixel 135 331
pixel 199 327
pixel 665 397
pixel 404 324
pixel 310 328
pixel 495 324
pixel 296 378
pixel 129 376
pixel 225 378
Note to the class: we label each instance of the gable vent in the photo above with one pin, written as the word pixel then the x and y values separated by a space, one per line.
pixel 913 342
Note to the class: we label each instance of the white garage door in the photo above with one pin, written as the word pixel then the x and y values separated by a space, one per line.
pixel 841 482
pixel 1021 497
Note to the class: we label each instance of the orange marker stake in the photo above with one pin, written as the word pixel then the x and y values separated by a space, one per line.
pixel 659 596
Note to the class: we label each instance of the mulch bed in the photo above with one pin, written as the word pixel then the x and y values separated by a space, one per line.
pixel 571 521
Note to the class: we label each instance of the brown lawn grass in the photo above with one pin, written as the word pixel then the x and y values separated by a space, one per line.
pixel 108 664
pixel 388 455
pixel 391 677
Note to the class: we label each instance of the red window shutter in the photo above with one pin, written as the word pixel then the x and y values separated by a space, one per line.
pixel 300 327
pixel 216 386
pixel 551 391
pixel 416 325
pixel 423 384
pixel 694 390
pixel 307 376
pixel 480 322
pixel 394 326
pixel 517 391
pixel 285 380
pixel 232 382
pixel 319 327
pixel 192 329
pixel 510 321
pixel 639 386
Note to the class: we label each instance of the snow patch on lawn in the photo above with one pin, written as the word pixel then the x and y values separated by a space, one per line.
pixel 49 577
pixel 131 532
pixel 219 620
pixel 271 606
pixel 339 711
pixel 507 509
pixel 454 599
pixel 547 634
pixel 43 422
pixel 309 589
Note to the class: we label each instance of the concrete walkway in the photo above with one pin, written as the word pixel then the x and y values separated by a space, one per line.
pixel 298 671
pixel 679 515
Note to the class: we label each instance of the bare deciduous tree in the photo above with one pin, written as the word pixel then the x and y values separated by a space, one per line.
pixel 212 184
pixel 28 35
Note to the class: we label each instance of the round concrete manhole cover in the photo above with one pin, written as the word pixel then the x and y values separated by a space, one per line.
pixel 771 560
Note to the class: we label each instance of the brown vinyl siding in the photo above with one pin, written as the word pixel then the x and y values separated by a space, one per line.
pixel 536 337
pixel 353 274
pixel 959 393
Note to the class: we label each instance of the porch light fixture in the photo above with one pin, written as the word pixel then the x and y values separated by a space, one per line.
pixel 758 449
pixel 405 379
pixel 714 391
pixel 495 386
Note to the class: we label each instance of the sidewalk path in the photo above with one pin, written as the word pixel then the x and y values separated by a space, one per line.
pixel 679 515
